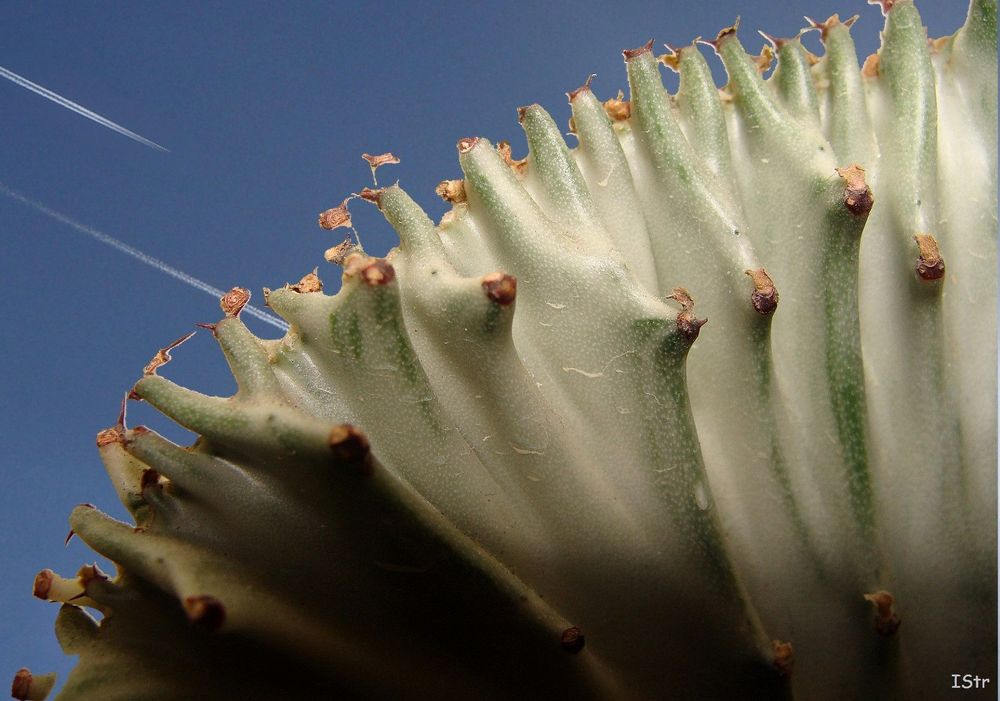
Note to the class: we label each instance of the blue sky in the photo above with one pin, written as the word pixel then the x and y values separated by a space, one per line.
pixel 265 113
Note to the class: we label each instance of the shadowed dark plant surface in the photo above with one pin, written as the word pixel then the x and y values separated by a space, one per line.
pixel 701 407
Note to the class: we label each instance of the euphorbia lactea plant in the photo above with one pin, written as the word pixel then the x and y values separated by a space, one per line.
pixel 510 460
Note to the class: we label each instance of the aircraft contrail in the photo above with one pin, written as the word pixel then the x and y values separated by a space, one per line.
pixel 136 253
pixel 79 109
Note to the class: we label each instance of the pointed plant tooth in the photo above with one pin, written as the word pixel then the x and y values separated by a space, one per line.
pixel 91 587
pixel 967 235
pixel 789 184
pixel 304 312
pixel 776 148
pixel 213 417
pixel 516 228
pixel 721 235
pixel 417 234
pixel 247 359
pixel 562 189
pixel 793 78
pixel 609 178
pixel 226 424
pixel 115 540
pixel 463 243
pixel 909 132
pixel 124 471
pixel 701 113
pixel 907 354
pixel 614 303
pixel 677 483
pixel 844 369
pixel 755 102
pixel 298 372
pixel 75 629
pixel 979 33
pixel 973 58
pixel 848 124
pixel 914 394
pixel 652 114
pixel 190 472
pixel 176 567
pixel 830 398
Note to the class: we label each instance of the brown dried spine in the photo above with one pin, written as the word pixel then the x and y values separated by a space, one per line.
pixel 784 657
pixel 310 282
pixel 380 160
pixel 831 22
pixel 375 162
pixel 149 478
pixel 350 446
pixel 870 69
pixel 582 89
pixel 723 34
pixel 687 323
pixel 930 264
pixel 374 271
pixel 108 436
pixel 764 60
pixel 370 195
pixel 671 60
pixel 163 357
pixel 500 287
pixel 886 620
pixel 336 217
pixel 857 195
pixel 765 295
pixel 646 48
pixel 618 108
pixel 886 5
pixel 205 611
pixel 572 640
pixel 232 302
pixel 503 148
pixel 451 191
pixel 467 144
pixel 339 253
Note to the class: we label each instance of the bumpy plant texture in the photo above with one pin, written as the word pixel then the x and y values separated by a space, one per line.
pixel 508 461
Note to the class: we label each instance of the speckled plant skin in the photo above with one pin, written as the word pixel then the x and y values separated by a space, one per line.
pixel 510 460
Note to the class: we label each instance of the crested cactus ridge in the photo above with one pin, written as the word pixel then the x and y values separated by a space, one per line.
pixel 703 407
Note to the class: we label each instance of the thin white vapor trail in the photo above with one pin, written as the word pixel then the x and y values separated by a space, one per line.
pixel 139 255
pixel 79 109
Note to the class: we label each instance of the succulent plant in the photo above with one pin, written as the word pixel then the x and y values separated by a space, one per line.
pixel 510 461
